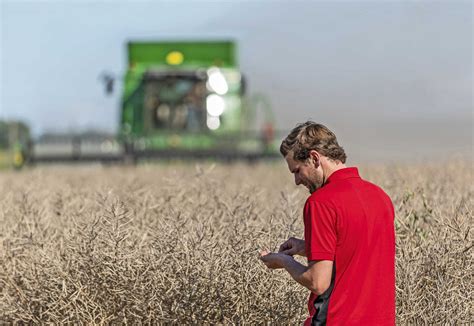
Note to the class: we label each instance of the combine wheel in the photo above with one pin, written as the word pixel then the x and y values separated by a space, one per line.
pixel 129 156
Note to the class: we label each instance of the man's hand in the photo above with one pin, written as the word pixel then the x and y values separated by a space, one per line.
pixel 316 276
pixel 273 260
pixel 293 246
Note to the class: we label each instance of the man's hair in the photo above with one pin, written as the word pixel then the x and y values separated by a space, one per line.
pixel 312 136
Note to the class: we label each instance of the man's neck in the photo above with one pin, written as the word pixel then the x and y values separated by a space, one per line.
pixel 329 167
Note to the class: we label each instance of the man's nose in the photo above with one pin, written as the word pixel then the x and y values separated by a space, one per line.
pixel 297 180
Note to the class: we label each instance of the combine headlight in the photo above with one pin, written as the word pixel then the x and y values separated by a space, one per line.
pixel 217 82
pixel 213 122
pixel 215 105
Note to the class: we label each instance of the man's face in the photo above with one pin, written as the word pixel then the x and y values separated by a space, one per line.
pixel 305 173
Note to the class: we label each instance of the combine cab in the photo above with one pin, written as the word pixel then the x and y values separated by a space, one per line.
pixel 187 99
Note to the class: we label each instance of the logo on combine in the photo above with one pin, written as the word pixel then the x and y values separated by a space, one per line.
pixel 174 58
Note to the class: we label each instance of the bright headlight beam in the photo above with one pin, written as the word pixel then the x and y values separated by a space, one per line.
pixel 213 122
pixel 217 81
pixel 215 105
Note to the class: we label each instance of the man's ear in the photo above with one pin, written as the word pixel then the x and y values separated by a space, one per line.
pixel 315 158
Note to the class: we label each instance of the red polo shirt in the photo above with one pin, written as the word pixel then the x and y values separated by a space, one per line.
pixel 351 222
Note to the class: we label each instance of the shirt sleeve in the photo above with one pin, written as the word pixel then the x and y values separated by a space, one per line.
pixel 319 231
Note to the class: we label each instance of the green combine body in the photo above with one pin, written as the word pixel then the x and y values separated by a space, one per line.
pixel 188 99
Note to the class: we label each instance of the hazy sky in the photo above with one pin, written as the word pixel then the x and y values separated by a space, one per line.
pixel 367 69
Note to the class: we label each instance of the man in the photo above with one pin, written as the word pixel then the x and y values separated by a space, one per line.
pixel 349 237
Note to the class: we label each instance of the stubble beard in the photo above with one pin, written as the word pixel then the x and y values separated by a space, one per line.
pixel 315 183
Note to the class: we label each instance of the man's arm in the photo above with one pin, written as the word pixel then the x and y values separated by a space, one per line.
pixel 316 276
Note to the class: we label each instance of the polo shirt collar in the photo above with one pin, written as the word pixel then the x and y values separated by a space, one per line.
pixel 342 174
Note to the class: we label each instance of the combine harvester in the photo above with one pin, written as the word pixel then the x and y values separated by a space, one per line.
pixel 181 100
pixel 14 144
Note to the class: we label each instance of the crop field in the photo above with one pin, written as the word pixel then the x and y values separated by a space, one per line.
pixel 178 244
